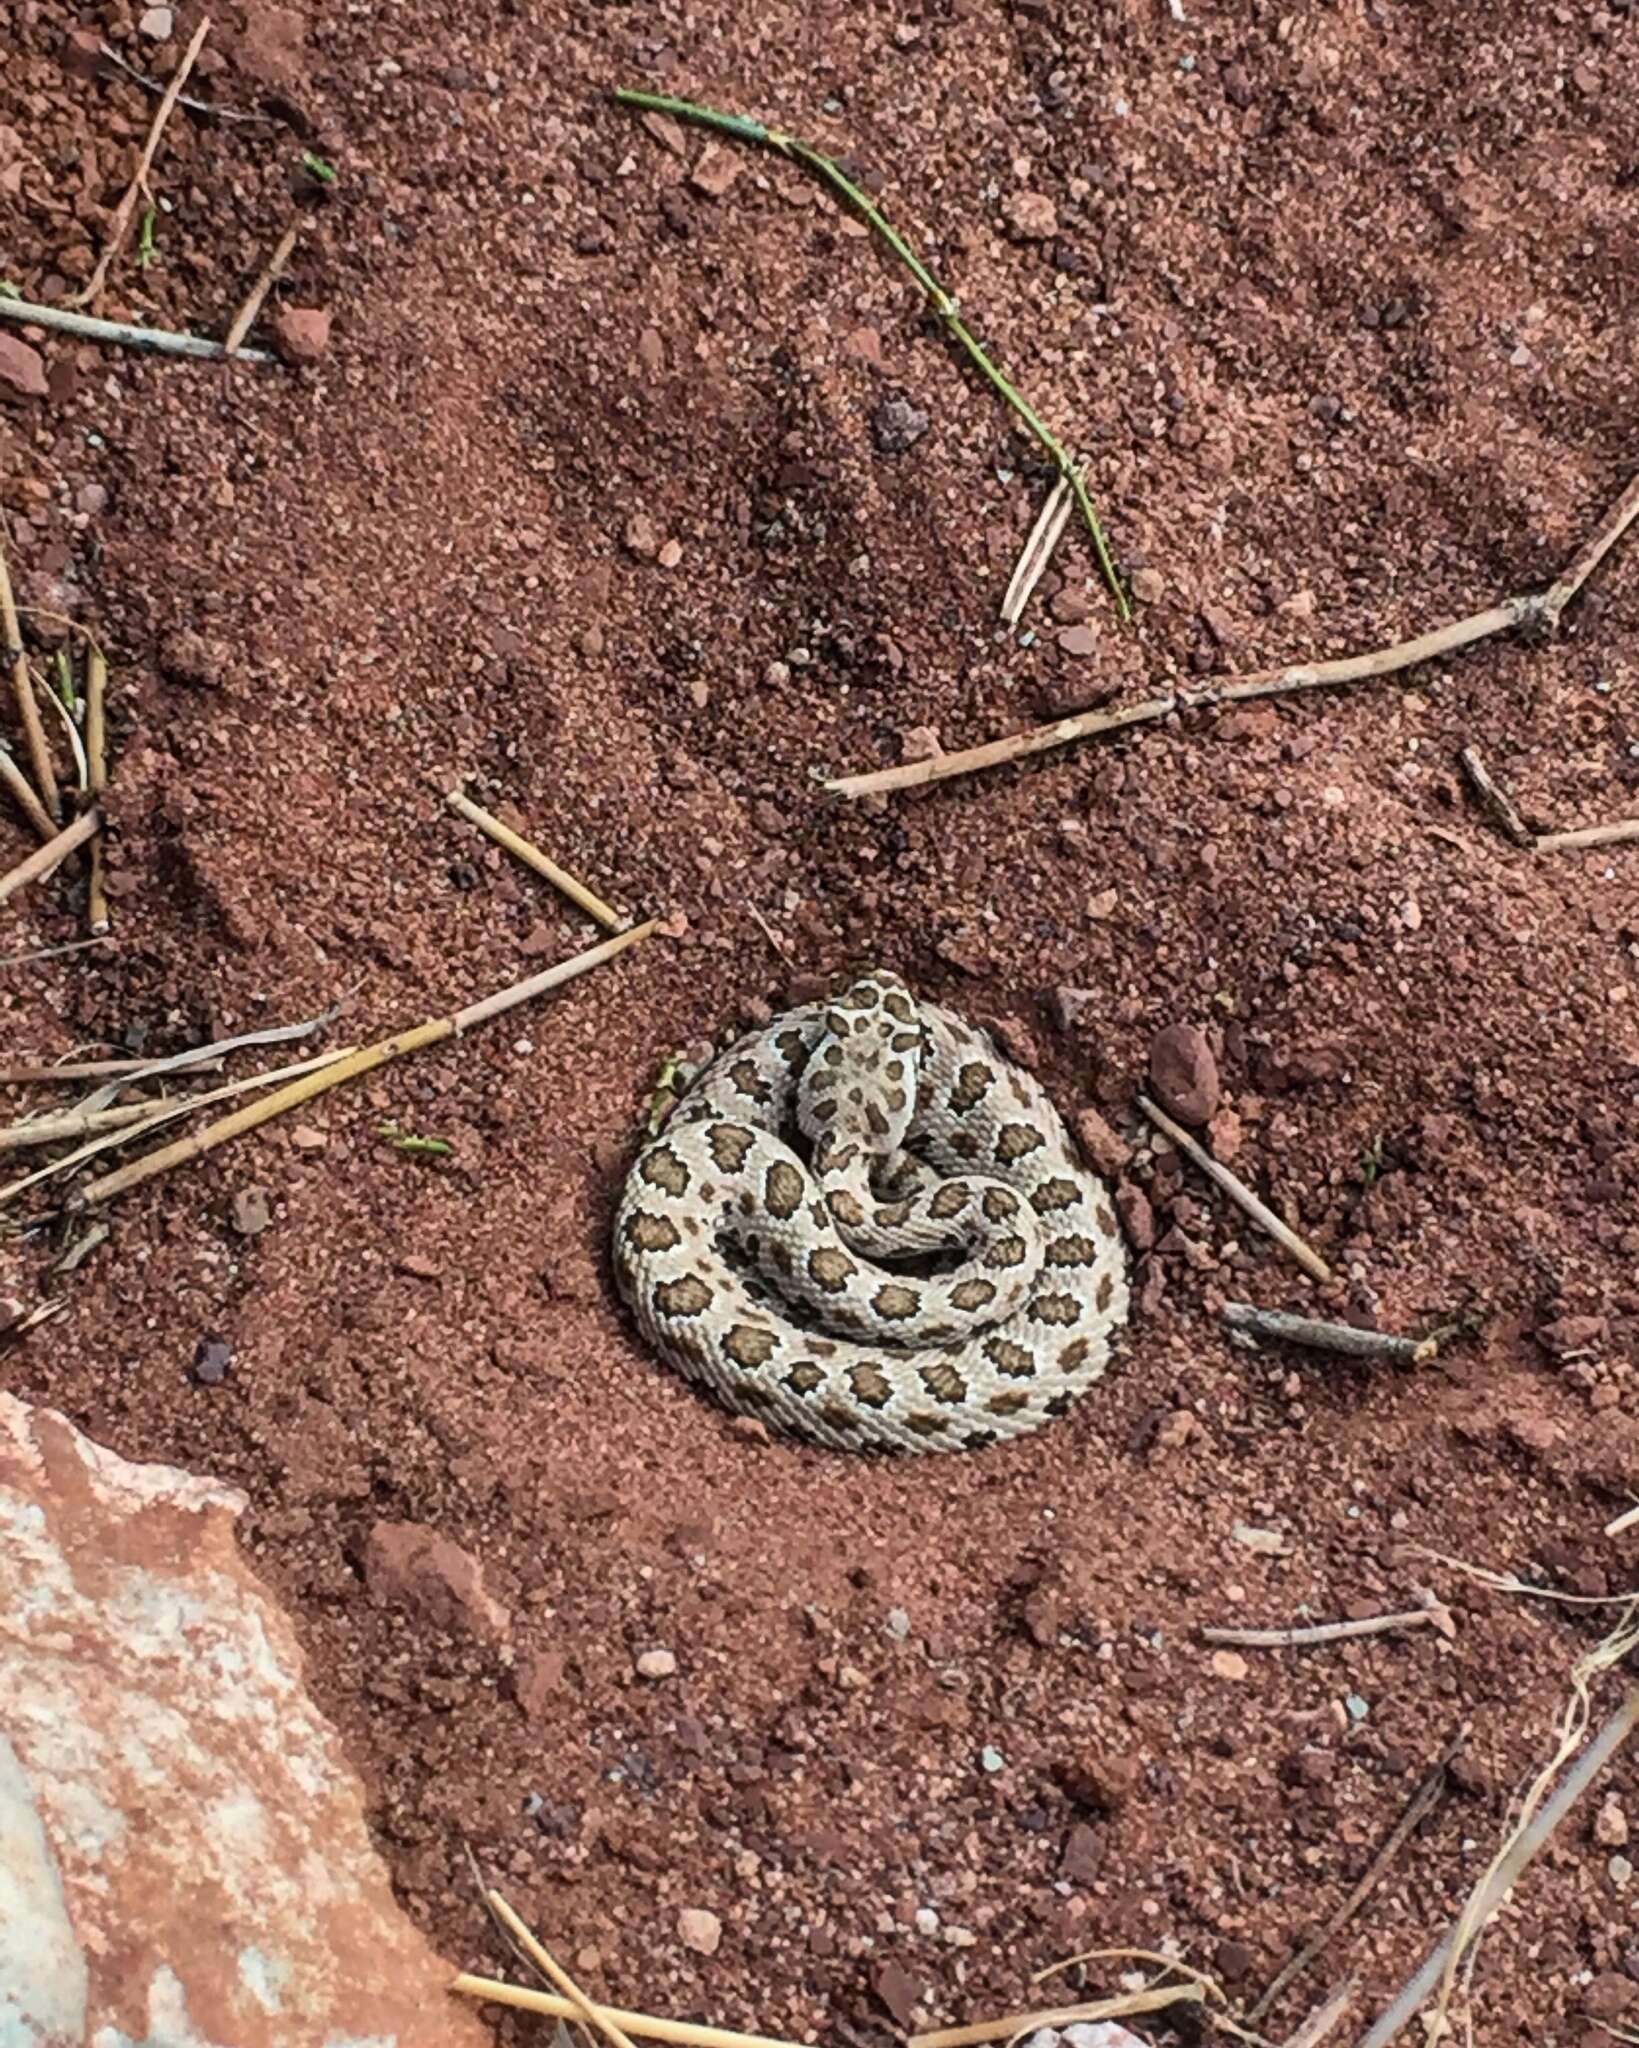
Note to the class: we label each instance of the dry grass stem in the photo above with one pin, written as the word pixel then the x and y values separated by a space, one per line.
pixel 1528 612
pixel 532 857
pixel 1628 1520
pixel 45 858
pixel 1037 551
pixel 197 1057
pixel 1017 2025
pixel 1537 1821
pixel 1591 553
pixel 161 1114
pixel 82 1070
pixel 1327 1631
pixel 138 186
pixel 1588 835
pixel 71 732
pixel 96 760
pixel 159 341
pixel 72 1123
pixel 1507 1582
pixel 1342 1338
pixel 593 2016
pixel 28 711
pixel 217 113
pixel 50 953
pixel 1085 725
pixel 1238 1192
pixel 260 289
pixel 1494 799
pixel 364 1061
pixel 1421 1803
pixel 642 2026
pixel 1323 2020
pixel 22 794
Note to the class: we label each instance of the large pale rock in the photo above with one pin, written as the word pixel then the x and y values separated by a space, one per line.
pixel 183 1856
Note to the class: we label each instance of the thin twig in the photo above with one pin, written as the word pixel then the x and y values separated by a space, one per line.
pixel 22 791
pixel 65 718
pixel 72 1123
pixel 197 1056
pixel 1015 2026
pixel 1238 1192
pixel 1278 1327
pixel 683 2033
pixel 79 1070
pixel 1623 1522
pixel 157 340
pixel 194 106
pixel 260 289
pixel 593 2016
pixel 1325 1631
pixel 184 1105
pixel 433 1032
pixel 1532 613
pixel 28 712
pixel 1038 740
pixel 49 953
pixel 532 857
pixel 1499 1880
pixel 1421 1803
pixel 1591 553
pixel 82 1247
pixel 1588 835
pixel 1037 551
pixel 1494 798
pixel 1323 2020
pixel 1508 1582
pixel 96 758
pixel 52 854
pixel 139 182
pixel 945 307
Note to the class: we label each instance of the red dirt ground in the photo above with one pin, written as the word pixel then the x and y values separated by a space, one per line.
pixel 1338 303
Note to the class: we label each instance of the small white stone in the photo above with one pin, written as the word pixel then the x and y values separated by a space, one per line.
pixel 699 1930
pixel 1621 1872
pixel 927 1920
pixel 656 1664
pixel 157 24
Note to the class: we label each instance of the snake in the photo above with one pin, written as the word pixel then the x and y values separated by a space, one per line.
pixel 863 1225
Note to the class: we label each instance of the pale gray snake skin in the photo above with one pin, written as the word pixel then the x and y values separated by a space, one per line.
pixel 865 1226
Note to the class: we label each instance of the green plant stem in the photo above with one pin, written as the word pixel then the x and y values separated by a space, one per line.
pixel 944 306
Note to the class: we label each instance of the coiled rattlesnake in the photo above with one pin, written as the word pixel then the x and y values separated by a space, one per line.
pixel 940 1273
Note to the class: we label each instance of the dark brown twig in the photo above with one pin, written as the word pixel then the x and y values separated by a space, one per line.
pixel 1494 798
pixel 1421 1803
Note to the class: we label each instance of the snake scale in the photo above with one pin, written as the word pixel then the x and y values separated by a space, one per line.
pixel 865 1226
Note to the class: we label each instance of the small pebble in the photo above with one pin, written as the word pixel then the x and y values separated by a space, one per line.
pixel 898 1624
pixel 157 24
pixel 1031 215
pixel 250 1213
pixel 1610 1828
pixel 1228 1664
pixel 1147 585
pixel 897 425
pixel 1620 1872
pixel 992 1760
pixel 656 1664
pixel 211 1361
pixel 700 1930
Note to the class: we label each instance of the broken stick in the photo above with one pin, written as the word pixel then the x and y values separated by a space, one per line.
pixel 532 857
pixel 1494 798
pixel 96 781
pixel 1588 835
pixel 52 854
pixel 368 1057
pixel 260 289
pixel 121 223
pixel 1529 612
pixel 1238 1192
pixel 1342 1338
pixel 28 712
